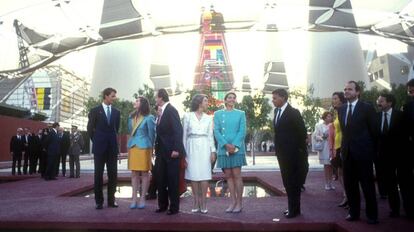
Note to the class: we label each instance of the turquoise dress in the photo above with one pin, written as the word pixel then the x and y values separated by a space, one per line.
pixel 230 128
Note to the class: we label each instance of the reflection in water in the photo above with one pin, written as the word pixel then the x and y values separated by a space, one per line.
pixel 216 189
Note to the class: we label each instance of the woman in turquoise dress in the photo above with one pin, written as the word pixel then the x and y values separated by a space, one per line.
pixel 230 131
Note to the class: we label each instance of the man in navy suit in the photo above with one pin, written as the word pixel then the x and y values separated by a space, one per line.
pixel 392 154
pixel 169 148
pixel 359 127
pixel 103 126
pixel 53 148
pixel 291 149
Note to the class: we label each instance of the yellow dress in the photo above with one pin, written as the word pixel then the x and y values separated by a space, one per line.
pixel 139 159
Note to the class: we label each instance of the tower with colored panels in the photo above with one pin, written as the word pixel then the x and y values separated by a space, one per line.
pixel 213 73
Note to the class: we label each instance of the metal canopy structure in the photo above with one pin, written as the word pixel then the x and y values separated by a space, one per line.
pixel 51 29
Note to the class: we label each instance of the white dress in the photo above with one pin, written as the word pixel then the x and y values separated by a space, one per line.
pixel 199 143
pixel 321 134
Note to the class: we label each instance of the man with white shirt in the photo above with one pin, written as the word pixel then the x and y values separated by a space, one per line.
pixel 391 152
pixel 17 149
pixel 103 127
pixel 359 127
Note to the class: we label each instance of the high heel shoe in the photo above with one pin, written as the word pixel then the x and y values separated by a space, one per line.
pixel 229 210
pixel 195 210
pixel 204 211
pixel 237 210
pixel 133 205
pixel 344 203
pixel 141 206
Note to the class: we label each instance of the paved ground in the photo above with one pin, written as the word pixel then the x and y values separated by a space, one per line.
pixel 34 204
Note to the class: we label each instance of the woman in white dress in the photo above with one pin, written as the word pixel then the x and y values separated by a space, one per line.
pixel 199 145
pixel 321 134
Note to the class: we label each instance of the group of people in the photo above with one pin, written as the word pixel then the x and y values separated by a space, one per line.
pixel 43 152
pixel 358 140
pixel 354 134
pixel 191 143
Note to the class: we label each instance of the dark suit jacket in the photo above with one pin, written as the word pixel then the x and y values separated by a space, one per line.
pixel 16 145
pixel 290 133
pixel 360 137
pixel 408 117
pixel 65 143
pixel 53 143
pixel 102 134
pixel 169 133
pixel 394 142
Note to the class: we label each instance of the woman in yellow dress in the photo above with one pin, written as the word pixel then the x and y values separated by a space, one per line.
pixel 141 127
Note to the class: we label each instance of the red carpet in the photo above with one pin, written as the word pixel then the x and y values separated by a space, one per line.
pixel 35 204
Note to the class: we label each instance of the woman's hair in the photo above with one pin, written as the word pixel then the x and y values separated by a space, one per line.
pixel 144 107
pixel 228 94
pixel 325 114
pixel 340 96
pixel 196 101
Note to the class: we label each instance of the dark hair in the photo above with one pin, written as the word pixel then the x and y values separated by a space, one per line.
pixel 228 94
pixel 107 92
pixel 144 107
pixel 410 83
pixel 282 93
pixel 341 96
pixel 196 101
pixel 74 126
pixel 55 124
pixel 389 98
pixel 325 114
pixel 357 87
pixel 162 93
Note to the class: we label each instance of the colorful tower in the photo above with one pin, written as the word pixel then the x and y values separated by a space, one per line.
pixel 213 73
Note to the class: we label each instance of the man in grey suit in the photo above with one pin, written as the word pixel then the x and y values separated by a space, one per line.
pixel 75 149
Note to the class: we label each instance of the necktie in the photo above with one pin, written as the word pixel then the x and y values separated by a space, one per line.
pixel 349 115
pixel 108 114
pixel 385 125
pixel 159 118
pixel 277 115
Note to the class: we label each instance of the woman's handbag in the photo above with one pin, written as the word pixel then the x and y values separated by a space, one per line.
pixel 318 145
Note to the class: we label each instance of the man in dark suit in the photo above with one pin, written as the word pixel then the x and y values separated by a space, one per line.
pixel 407 178
pixel 359 127
pixel 26 138
pixel 391 153
pixel 53 148
pixel 290 148
pixel 17 149
pixel 43 154
pixel 64 148
pixel 103 126
pixel 168 148
pixel 35 149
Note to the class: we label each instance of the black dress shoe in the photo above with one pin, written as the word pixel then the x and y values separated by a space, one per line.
pixel 372 221
pixel 291 214
pixel 394 214
pixel 343 204
pixel 113 205
pixel 351 218
pixel 160 210
pixel 171 212
pixel 98 206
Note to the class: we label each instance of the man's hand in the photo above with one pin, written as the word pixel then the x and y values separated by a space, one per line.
pixel 174 154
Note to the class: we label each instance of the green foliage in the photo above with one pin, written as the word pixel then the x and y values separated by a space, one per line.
pixel 257 109
pixel 311 113
pixel 149 94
